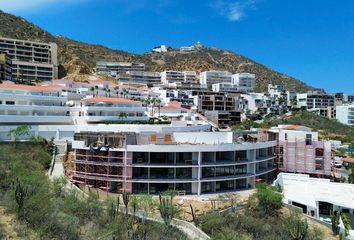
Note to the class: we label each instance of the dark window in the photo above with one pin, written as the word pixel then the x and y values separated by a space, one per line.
pixel 10 103
pixel 308 139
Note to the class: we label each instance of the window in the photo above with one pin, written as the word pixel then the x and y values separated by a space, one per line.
pixel 308 139
pixel 10 102
pixel 319 152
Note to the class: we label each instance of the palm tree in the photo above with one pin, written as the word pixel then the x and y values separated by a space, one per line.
pixel 146 102
pixel 158 102
pixel 125 92
pixel 152 102
pixel 117 90
pixel 96 87
pixel 92 89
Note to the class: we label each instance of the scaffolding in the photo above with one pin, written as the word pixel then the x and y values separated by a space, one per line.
pixel 110 171
pixel 303 156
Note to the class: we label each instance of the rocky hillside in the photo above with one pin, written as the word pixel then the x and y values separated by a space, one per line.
pixel 78 59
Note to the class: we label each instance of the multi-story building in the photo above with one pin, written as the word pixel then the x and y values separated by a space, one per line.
pixel 300 151
pixel 31 61
pixel 115 68
pixel 225 87
pixel 328 112
pixel 345 114
pixel 315 99
pixel 190 77
pixel 5 67
pixel 111 109
pixel 172 77
pixel 212 77
pixel 196 163
pixel 23 104
pixel 149 78
pixel 245 81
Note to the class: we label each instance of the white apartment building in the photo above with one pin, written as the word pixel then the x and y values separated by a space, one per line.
pixel 23 104
pixel 149 78
pixel 160 49
pixel 107 109
pixel 314 99
pixel 245 81
pixel 345 114
pixel 300 151
pixel 31 61
pixel 212 77
pixel 172 77
pixel 225 87
pixel 190 77
pixel 115 68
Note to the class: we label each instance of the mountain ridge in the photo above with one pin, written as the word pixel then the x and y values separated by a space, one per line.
pixel 77 59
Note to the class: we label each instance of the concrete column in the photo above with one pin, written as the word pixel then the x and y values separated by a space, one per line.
pixel 199 173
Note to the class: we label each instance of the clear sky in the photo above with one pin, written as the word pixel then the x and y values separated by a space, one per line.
pixel 312 40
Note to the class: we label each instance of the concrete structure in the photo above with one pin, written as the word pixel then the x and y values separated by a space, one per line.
pixel 105 109
pixel 225 87
pixel 300 151
pixel 212 77
pixel 187 48
pixel 5 67
pixel 149 78
pixel 316 197
pixel 345 114
pixel 190 77
pixel 315 99
pixel 195 163
pixel 328 112
pixel 160 49
pixel 115 68
pixel 31 61
pixel 172 76
pixel 23 104
pixel 245 81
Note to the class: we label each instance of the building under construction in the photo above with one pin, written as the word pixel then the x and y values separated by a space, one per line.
pixel 191 162
pixel 299 151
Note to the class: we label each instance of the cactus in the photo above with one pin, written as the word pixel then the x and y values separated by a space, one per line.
pixel 195 219
pixel 297 228
pixel 113 211
pixel 21 193
pixel 335 222
pixel 167 210
pixel 126 198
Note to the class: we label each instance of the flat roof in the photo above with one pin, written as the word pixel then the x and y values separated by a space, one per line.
pixel 303 189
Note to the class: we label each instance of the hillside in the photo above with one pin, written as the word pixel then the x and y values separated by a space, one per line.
pixel 78 59
pixel 327 128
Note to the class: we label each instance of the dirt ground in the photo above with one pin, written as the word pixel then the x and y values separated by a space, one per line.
pixel 11 229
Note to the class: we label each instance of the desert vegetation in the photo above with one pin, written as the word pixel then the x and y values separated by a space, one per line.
pixel 50 210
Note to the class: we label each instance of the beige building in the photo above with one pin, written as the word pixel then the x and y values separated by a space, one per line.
pixel 31 61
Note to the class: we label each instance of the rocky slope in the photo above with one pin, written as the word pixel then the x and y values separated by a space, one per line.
pixel 77 59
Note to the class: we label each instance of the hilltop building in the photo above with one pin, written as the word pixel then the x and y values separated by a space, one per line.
pixel 244 81
pixel 345 114
pixel 31 61
pixel 5 67
pixel 116 68
pixel 212 77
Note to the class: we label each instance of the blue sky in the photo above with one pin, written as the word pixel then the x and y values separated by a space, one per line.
pixel 312 40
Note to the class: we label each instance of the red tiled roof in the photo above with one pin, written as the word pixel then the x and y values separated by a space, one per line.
pixel 109 99
pixel 27 87
pixel 348 159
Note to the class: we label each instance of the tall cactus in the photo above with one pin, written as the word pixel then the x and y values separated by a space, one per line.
pixel 126 198
pixel 297 227
pixel 21 193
